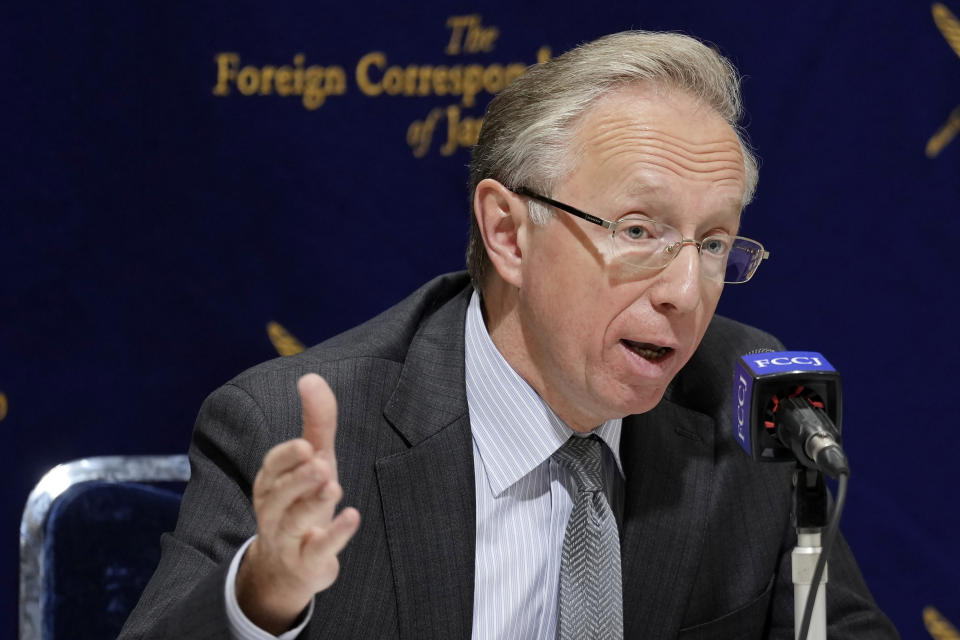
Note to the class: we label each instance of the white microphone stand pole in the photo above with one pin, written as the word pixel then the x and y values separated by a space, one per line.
pixel 810 512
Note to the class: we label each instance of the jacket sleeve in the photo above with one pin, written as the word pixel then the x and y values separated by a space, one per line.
pixel 185 596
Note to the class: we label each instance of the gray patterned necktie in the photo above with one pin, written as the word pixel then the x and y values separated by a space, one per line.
pixel 591 600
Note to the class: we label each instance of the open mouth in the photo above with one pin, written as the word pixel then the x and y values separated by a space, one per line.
pixel 648 351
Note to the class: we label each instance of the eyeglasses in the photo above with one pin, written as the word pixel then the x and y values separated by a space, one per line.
pixel 648 244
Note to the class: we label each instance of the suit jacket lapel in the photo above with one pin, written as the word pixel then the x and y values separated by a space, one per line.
pixel 668 457
pixel 429 503
pixel 427 491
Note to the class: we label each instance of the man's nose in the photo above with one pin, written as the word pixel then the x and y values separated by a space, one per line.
pixel 678 285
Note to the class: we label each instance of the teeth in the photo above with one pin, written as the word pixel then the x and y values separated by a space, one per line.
pixel 648 352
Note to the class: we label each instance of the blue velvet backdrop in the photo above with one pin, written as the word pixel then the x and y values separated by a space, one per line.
pixel 178 175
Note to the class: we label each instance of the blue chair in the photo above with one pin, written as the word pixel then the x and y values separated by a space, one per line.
pixel 90 540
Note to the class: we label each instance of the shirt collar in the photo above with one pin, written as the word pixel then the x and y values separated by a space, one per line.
pixel 513 427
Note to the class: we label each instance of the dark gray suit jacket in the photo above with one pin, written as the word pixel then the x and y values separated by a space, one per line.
pixel 706 532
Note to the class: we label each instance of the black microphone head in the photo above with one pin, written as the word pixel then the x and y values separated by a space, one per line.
pixel 763 380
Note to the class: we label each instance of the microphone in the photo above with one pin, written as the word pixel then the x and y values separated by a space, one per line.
pixel 787 406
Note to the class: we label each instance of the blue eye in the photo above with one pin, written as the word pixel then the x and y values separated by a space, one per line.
pixel 637 230
pixel 715 246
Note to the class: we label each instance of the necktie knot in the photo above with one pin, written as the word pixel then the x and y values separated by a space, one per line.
pixel 582 457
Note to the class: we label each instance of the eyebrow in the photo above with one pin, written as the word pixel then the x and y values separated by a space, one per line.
pixel 657 193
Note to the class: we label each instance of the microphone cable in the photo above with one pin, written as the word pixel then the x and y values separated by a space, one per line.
pixel 832 527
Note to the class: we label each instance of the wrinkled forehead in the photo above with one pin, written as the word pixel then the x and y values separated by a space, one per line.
pixel 652 107
pixel 641 134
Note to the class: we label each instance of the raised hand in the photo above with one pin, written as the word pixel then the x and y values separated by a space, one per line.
pixel 299 533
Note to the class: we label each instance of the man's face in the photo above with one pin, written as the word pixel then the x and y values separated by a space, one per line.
pixel 600 341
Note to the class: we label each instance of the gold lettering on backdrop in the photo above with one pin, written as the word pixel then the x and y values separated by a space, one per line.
pixel 373 59
pixel 376 76
pixel 312 84
pixel 420 132
pixel 467 35
pixel 283 341
pixel 949 27
pixel 461 131
pixel 937 626
pixel 4 405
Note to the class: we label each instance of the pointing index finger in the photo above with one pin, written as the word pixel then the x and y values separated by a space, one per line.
pixel 319 412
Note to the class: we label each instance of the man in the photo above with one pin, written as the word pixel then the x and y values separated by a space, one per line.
pixel 452 412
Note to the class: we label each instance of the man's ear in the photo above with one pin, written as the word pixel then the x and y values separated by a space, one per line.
pixel 502 218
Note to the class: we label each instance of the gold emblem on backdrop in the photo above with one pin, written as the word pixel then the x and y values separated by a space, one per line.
pixel 937 626
pixel 949 26
pixel 4 405
pixel 283 341
pixel 446 128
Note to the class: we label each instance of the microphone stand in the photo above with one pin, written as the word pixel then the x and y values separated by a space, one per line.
pixel 810 515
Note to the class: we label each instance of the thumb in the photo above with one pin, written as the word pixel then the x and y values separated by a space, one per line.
pixel 319 412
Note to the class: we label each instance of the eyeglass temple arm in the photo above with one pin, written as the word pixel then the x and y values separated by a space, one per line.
pixel 523 191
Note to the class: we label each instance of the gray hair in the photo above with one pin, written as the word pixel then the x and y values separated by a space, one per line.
pixel 528 129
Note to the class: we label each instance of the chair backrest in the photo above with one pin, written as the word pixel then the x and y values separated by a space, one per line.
pixel 90 539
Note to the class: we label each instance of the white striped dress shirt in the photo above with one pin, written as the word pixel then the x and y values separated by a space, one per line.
pixel 523 500
pixel 523 495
